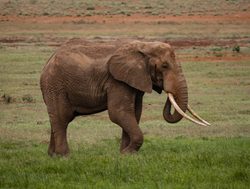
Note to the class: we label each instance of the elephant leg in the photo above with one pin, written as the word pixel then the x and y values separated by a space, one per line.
pixel 121 108
pixel 60 115
pixel 135 137
pixel 51 149
pixel 125 140
pixel 58 140
pixel 138 106
pixel 132 137
pixel 138 110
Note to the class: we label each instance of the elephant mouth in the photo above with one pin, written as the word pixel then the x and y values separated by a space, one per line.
pixel 197 119
pixel 157 89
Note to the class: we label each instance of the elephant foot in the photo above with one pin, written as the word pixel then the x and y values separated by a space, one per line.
pixel 62 152
pixel 51 152
pixel 133 146
pixel 54 154
pixel 129 150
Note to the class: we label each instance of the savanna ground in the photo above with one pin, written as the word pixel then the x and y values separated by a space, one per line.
pixel 212 40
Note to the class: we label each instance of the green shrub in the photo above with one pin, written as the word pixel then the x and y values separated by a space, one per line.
pixel 7 99
pixel 45 14
pixel 90 8
pixel 236 48
pixel 28 98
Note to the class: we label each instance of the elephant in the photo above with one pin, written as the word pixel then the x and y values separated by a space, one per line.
pixel 84 78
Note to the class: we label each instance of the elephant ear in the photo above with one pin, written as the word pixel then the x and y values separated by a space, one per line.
pixel 130 67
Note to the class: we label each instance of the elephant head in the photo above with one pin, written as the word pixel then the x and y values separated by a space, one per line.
pixel 149 66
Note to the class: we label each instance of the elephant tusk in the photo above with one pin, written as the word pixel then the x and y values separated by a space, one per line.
pixel 177 108
pixel 196 115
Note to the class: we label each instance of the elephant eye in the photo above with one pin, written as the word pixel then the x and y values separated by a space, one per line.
pixel 165 65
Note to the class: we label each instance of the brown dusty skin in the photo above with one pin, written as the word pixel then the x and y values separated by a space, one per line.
pixel 180 95
pixel 182 100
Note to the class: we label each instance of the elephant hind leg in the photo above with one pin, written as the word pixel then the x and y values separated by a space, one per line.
pixel 51 149
pixel 60 114
pixel 58 138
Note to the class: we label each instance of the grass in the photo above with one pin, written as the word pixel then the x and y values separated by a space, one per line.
pixel 182 155
pixel 77 7
pixel 172 163
pixel 168 30
pixel 173 156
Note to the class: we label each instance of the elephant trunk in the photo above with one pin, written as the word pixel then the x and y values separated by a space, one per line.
pixel 180 92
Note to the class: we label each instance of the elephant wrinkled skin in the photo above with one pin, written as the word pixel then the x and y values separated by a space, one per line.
pixel 82 79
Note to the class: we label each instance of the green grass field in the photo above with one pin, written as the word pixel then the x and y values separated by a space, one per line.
pixel 182 155
pixel 162 163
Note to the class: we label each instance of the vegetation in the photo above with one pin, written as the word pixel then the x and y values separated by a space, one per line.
pixel 215 60
pixel 98 7
pixel 172 156
pixel 162 163
pixel 236 48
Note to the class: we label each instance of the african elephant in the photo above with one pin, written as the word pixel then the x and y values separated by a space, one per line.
pixel 82 79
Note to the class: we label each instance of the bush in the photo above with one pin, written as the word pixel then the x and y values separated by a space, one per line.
pixel 28 98
pixel 90 8
pixel 7 99
pixel 45 14
pixel 236 48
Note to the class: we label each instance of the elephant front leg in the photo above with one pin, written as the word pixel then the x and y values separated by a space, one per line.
pixel 122 111
pixel 132 137
pixel 135 138
pixel 125 140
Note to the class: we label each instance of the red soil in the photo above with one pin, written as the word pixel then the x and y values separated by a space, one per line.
pixel 241 17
